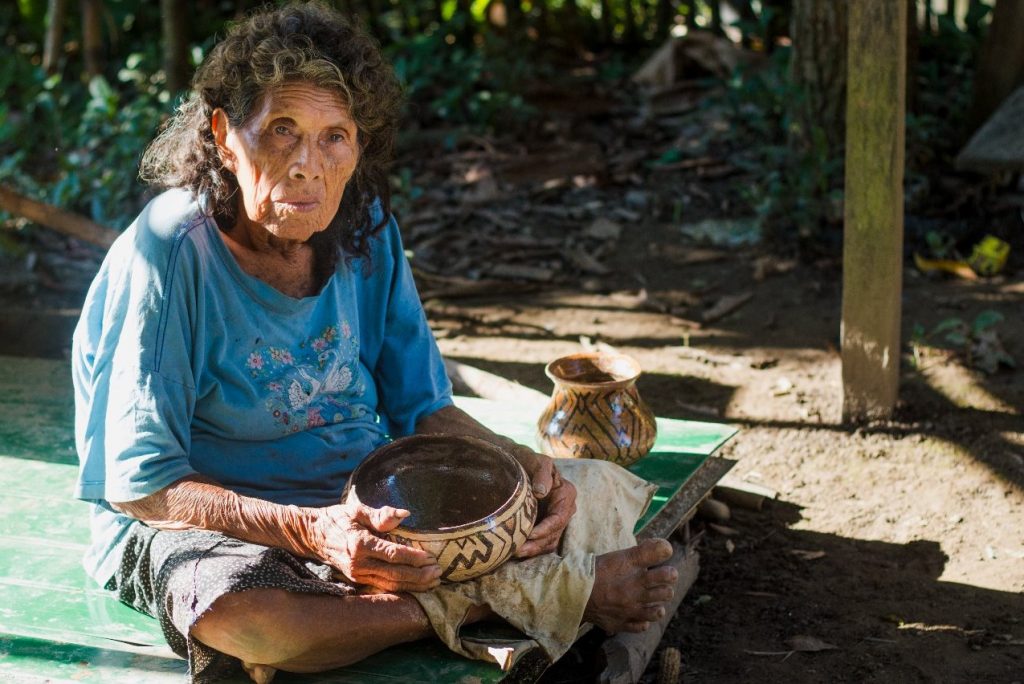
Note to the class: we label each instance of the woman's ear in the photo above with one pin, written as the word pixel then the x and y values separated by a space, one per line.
pixel 219 124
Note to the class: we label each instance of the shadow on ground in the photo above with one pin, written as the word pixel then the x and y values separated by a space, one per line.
pixel 899 622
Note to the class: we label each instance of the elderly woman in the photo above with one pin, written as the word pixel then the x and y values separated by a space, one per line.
pixel 249 339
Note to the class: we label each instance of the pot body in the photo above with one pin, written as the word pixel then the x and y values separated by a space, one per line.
pixel 470 553
pixel 603 420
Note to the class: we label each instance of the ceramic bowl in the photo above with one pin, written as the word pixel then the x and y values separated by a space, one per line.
pixel 470 501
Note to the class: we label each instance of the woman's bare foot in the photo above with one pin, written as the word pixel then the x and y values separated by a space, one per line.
pixel 630 592
pixel 261 674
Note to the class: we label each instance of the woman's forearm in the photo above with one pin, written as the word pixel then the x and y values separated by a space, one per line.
pixel 452 420
pixel 196 503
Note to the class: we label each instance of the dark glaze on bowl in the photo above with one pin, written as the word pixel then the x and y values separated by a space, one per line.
pixel 444 484
pixel 470 501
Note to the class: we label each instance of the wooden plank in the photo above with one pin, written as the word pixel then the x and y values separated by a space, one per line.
pixel 999 144
pixel 873 233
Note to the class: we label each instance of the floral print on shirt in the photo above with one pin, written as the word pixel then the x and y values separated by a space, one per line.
pixel 314 385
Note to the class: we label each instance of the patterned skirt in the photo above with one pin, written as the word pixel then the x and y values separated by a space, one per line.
pixel 176 577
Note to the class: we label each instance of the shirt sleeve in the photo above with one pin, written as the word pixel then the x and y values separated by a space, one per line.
pixel 131 364
pixel 409 371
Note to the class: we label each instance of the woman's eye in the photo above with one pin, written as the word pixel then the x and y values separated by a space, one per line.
pixel 282 130
pixel 337 137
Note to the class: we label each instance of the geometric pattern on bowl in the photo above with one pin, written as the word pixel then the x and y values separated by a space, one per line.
pixel 470 501
pixel 595 410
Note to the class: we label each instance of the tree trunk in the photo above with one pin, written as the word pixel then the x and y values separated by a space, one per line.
pixel 54 45
pixel 632 36
pixel 976 11
pixel 607 23
pixel 464 20
pixel 818 68
pixel 716 16
pixel 665 18
pixel 571 24
pixel 172 16
pixel 913 48
pixel 1000 62
pixel 514 17
pixel 779 21
pixel 951 10
pixel 92 37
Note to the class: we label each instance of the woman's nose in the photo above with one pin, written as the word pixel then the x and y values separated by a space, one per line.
pixel 306 165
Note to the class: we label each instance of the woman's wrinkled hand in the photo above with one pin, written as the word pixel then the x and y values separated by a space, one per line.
pixel 343 536
pixel 557 499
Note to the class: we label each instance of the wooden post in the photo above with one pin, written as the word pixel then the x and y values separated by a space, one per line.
pixel 873 234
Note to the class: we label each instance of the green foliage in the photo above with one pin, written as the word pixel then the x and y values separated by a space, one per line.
pixel 77 144
pixel 797 186
pixel 459 84
pixel 85 138
pixel 978 340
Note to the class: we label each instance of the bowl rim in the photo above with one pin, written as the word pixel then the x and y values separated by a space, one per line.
pixel 550 370
pixel 422 534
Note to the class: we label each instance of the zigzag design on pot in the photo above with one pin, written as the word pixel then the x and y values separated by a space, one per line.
pixel 595 410
pixel 501 541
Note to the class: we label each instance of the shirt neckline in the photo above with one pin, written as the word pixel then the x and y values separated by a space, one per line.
pixel 262 292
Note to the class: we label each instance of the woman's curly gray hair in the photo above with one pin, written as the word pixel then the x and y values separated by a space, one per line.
pixel 300 42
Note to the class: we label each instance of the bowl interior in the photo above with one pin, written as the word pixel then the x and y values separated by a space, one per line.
pixel 594 368
pixel 445 482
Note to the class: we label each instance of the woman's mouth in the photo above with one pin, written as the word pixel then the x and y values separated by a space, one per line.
pixel 300 205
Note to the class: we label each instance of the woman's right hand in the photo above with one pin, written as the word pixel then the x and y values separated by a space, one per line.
pixel 343 536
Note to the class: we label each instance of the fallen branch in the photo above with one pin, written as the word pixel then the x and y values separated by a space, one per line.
pixel 468 379
pixel 725 306
pixel 57 219
pixel 743 494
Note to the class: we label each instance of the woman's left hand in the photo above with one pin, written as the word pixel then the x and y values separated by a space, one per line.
pixel 557 499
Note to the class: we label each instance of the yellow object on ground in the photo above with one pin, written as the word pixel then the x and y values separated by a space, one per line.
pixel 989 256
pixel 987 259
pixel 958 268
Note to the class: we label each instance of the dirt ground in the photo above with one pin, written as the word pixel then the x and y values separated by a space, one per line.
pixel 898 545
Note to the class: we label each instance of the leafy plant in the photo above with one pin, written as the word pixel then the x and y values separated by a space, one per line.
pixel 798 195
pixel 978 340
pixel 460 84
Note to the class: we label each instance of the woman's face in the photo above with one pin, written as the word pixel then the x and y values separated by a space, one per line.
pixel 292 160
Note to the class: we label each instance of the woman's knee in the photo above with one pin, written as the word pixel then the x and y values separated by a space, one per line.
pixel 247 625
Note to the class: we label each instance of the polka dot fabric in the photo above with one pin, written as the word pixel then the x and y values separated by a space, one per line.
pixel 176 577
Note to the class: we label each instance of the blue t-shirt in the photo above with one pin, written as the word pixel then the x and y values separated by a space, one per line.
pixel 184 364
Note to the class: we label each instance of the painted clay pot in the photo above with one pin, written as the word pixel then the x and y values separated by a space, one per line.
pixel 595 410
pixel 470 501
